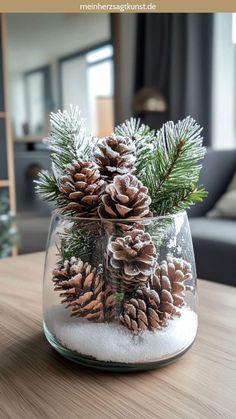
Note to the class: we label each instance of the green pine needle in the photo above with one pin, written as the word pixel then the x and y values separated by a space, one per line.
pixel 171 169
pixel 171 202
pixel 47 186
pixel 80 242
pixel 68 142
pixel 143 136
pixel 67 139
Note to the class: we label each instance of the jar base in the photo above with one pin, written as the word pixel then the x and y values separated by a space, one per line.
pixel 91 362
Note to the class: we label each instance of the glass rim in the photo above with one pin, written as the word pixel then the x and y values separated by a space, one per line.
pixel 57 213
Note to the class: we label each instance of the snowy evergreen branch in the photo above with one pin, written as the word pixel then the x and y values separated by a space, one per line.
pixel 143 136
pixel 67 139
pixel 173 169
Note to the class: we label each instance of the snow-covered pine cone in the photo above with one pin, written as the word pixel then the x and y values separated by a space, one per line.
pixel 81 288
pixel 168 287
pixel 125 198
pixel 169 281
pixel 141 311
pixel 82 188
pixel 131 260
pixel 115 155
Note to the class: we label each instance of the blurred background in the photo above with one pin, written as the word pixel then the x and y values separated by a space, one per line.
pixel 154 66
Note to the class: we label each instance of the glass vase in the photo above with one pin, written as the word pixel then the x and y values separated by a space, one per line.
pixel 120 294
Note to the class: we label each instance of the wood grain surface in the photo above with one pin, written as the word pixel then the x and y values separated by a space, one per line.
pixel 35 382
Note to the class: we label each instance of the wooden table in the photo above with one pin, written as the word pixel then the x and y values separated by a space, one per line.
pixel 35 382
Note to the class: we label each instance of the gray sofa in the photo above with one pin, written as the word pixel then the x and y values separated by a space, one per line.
pixel 214 240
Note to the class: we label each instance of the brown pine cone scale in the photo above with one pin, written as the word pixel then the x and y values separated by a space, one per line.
pixel 131 260
pixel 141 313
pixel 82 289
pixel 150 308
pixel 169 280
pixel 125 198
pixel 82 187
pixel 115 156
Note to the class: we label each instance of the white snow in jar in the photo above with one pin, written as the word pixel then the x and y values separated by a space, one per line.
pixel 113 342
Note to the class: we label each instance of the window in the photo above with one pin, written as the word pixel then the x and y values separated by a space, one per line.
pixel 234 28
pixel 87 81
pixel 38 100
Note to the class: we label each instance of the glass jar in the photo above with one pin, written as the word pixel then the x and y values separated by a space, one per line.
pixel 120 294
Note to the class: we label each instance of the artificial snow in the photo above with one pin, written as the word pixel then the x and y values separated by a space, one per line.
pixel 113 342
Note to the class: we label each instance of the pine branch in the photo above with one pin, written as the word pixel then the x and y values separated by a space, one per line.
pixel 173 167
pixel 171 202
pixel 47 186
pixel 68 142
pixel 67 139
pixel 81 242
pixel 143 136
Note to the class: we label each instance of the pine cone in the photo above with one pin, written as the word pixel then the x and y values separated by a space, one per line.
pixel 162 297
pixel 115 156
pixel 125 198
pixel 141 311
pixel 82 187
pixel 131 261
pixel 169 282
pixel 81 289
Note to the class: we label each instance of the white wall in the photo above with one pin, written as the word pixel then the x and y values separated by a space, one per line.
pixel 36 40
pixel 224 83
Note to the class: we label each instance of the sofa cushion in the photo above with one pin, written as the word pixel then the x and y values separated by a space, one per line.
pixel 226 205
pixel 214 242
pixel 218 169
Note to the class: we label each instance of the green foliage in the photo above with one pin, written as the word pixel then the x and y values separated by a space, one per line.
pixel 167 161
pixel 67 141
pixel 171 202
pixel 133 128
pixel 143 136
pixel 81 242
pixel 47 186
pixel 169 165
pixel 8 234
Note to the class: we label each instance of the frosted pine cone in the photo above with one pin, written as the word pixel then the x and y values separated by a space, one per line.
pixel 115 156
pixel 141 311
pixel 169 282
pixel 132 260
pixel 81 288
pixel 82 188
pixel 125 198
pixel 167 289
